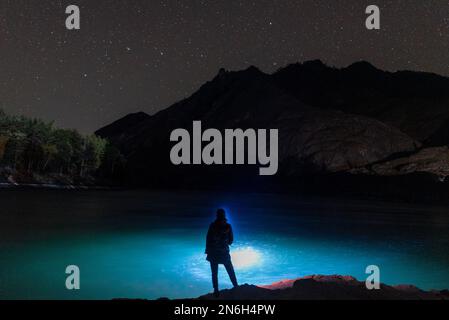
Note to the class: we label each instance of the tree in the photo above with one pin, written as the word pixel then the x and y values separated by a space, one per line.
pixel 49 151
pixel 3 142
pixel 14 149
pixel 113 160
pixel 63 158
pixel 94 148
pixel 35 145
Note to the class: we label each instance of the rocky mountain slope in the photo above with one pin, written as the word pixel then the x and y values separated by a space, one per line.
pixel 320 287
pixel 356 121
pixel 414 102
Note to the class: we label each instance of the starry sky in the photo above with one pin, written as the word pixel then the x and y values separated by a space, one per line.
pixel 144 55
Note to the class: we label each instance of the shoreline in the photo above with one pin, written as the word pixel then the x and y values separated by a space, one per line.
pixel 51 186
pixel 326 287
pixel 305 196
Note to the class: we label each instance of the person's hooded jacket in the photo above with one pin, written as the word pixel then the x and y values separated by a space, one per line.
pixel 219 238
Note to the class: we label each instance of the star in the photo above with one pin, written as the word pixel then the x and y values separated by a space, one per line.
pixel 168 49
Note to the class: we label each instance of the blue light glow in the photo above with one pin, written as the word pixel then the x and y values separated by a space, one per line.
pixel 143 253
pixel 246 257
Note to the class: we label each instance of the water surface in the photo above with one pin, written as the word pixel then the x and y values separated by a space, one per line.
pixel 143 244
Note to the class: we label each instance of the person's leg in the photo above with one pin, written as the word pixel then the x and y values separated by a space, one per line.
pixel 214 269
pixel 230 269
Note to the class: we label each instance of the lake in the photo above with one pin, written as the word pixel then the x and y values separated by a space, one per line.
pixel 146 244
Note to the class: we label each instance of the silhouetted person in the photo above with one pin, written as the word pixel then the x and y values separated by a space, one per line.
pixel 219 238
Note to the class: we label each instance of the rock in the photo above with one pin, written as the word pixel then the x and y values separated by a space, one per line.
pixel 321 287
pixel 434 161
pixel 332 141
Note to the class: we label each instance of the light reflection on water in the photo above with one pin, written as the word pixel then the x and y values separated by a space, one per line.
pixel 163 255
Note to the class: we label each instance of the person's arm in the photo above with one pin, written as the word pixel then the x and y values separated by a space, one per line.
pixel 208 239
pixel 231 235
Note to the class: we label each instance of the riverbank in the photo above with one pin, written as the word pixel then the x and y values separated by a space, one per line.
pixel 12 179
pixel 319 287
pixel 52 186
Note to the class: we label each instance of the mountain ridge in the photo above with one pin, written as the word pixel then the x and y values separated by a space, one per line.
pixel 330 120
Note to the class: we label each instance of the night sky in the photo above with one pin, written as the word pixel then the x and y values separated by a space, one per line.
pixel 144 55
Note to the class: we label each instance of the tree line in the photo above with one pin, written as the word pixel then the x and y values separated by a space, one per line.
pixel 36 146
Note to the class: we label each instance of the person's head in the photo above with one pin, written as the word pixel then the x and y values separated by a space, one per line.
pixel 221 215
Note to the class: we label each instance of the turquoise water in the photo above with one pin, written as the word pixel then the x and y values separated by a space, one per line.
pixel 139 244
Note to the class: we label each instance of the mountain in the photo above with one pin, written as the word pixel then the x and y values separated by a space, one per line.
pixel 339 123
pixel 123 125
pixel 414 102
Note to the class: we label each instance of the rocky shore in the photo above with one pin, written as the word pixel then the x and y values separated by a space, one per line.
pixel 319 287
